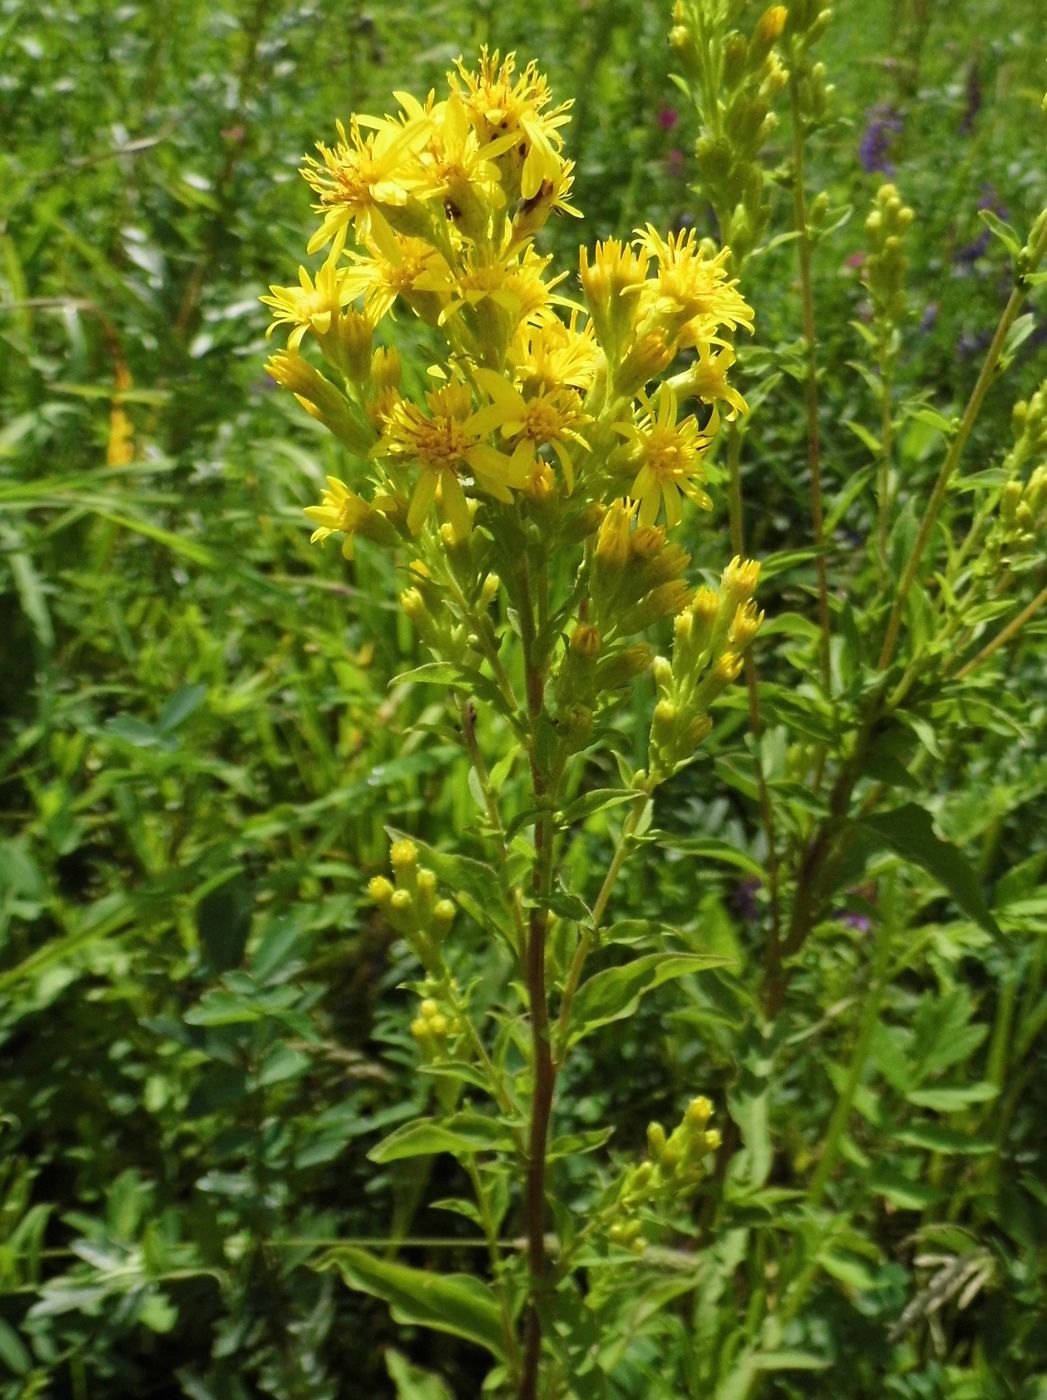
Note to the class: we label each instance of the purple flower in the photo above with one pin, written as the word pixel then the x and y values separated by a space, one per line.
pixel 929 318
pixel 883 124
pixel 667 118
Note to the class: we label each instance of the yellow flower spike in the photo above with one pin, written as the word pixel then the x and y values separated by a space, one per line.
pixel 744 626
pixel 380 890
pixel 500 106
pixel 403 854
pixel 546 418
pixel 691 289
pixel 706 380
pixel 613 536
pixel 395 266
pixel 611 283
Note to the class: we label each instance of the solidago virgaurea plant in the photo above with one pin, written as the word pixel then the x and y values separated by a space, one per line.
pixel 531 496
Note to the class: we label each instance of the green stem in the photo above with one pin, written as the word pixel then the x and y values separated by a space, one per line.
pixel 545 784
pixel 1005 634
pixel 737 531
pixel 948 468
pixel 590 936
pixel 803 248
pixel 859 1056
pixel 494 1259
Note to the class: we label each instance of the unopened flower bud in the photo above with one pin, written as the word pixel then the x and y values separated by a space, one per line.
pixel 426 884
pixel 489 590
pixel 403 855
pixel 655 1141
pixel 429 1008
pixel 412 603
pixel 380 890
pixel 586 641
pixel 699 1111
pixel 401 902
pixel 443 916
pixel 712 1139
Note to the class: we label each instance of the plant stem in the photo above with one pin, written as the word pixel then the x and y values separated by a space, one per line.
pixel 1005 634
pixel 952 461
pixel 591 935
pixel 544 783
pixel 803 248
pixel 737 531
pixel 859 1056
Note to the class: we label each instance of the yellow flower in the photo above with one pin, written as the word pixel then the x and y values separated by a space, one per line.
pixel 690 289
pixel 551 354
pixel 499 107
pixel 668 455
pixel 549 417
pixel 448 444
pixel 392 268
pixel 706 379
pixel 461 171
pixel 340 511
pixel 363 175
pixel 612 283
pixel 311 305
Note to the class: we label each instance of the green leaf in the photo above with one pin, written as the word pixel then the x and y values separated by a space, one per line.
pixel 908 831
pixel 615 993
pixel 947 1098
pixel 181 704
pixel 596 801
pixel 462 1135
pixel 12 1350
pixel 711 848
pixel 445 673
pixel 455 1303
pixel 223 922
pixel 411 1382
pixel 1003 231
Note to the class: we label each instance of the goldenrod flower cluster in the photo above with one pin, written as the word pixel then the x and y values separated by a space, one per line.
pixel 558 417
pixel 674 1169
pixel 413 906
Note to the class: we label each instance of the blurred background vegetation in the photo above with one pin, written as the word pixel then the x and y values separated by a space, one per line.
pixel 200 1031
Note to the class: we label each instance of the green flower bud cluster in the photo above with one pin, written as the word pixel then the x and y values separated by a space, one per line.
pixel 1022 512
pixel 884 268
pixel 710 637
pixel 674 1169
pixel 429 605
pixel 437 1028
pixel 412 904
pixel 734 85
pixel 637 575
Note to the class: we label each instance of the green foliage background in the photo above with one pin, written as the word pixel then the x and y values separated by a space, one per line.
pixel 200 1027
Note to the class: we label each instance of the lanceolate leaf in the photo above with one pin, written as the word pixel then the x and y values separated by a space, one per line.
pixel 615 993
pixel 463 1134
pixel 455 1303
pixel 907 830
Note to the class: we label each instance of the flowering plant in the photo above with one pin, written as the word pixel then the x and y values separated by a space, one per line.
pixel 532 493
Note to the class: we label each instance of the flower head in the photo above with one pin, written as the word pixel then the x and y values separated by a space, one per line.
pixel 449 444
pixel 310 306
pixel 502 105
pixel 340 511
pixel 668 457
